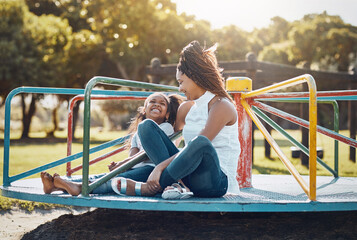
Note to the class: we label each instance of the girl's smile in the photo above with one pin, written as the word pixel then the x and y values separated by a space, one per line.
pixel 156 108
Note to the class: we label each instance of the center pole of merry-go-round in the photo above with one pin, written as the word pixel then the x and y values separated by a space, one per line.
pixel 236 86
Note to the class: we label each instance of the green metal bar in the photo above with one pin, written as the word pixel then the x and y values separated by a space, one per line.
pixel 290 138
pixel 86 125
pixel 336 122
pixel 124 167
pixel 336 126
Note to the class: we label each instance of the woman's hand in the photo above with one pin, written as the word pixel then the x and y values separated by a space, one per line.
pixel 154 178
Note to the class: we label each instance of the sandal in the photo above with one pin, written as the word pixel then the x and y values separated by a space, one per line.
pixel 177 192
pixel 123 186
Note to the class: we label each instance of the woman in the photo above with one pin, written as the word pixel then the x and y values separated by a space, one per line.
pixel 207 164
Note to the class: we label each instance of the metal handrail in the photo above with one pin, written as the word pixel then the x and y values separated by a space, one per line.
pixel 311 190
pixel 37 90
pixel 336 124
pixel 124 95
pixel 86 123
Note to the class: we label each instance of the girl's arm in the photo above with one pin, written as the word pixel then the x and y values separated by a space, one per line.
pixel 181 114
pixel 132 153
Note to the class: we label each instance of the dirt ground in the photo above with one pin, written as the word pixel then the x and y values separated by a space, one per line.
pixel 124 224
pixel 16 222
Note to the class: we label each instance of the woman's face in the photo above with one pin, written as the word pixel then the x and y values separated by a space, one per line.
pixel 156 108
pixel 188 86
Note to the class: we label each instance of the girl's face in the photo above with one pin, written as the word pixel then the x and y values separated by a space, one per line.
pixel 156 108
pixel 188 86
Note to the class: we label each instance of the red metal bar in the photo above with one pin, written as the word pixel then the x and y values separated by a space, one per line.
pixel 303 123
pixel 73 101
pixel 244 170
pixel 306 94
pixel 98 159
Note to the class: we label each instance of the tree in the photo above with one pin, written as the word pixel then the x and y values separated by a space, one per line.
pixel 233 43
pixel 35 48
pixel 276 32
pixel 275 53
pixel 321 36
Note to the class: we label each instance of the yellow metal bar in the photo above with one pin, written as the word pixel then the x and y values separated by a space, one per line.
pixel 312 120
pixel 312 135
pixel 276 147
pixel 277 86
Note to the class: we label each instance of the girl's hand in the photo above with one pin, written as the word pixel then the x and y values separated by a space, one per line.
pixel 114 165
pixel 153 179
pixel 111 166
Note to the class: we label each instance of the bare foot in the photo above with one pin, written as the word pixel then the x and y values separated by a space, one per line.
pixel 72 188
pixel 47 181
pixel 130 188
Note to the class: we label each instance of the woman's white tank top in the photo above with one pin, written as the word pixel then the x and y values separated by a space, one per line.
pixel 226 142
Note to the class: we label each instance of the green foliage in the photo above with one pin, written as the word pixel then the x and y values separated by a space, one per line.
pixel 320 35
pixel 33 46
pixel 321 39
pixel 277 53
pixel 233 43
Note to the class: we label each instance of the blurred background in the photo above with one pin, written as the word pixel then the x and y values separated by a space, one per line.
pixel 64 43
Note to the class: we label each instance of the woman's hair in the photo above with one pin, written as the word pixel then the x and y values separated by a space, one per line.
pixel 173 101
pixel 201 66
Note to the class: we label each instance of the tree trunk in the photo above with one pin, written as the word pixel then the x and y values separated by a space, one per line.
pixel 54 121
pixel 304 111
pixel 122 70
pixel 75 117
pixel 27 115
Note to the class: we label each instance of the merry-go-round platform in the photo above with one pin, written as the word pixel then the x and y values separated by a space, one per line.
pixel 270 193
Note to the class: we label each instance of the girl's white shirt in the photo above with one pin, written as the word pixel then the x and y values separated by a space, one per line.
pixel 226 142
pixel 135 142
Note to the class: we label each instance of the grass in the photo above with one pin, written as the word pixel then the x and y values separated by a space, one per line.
pixel 26 155
pixel 263 165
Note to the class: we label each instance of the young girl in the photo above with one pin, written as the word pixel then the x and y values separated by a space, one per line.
pixel 208 163
pixel 160 109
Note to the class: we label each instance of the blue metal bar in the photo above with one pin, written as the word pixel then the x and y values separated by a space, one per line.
pixel 67 159
pixel 42 90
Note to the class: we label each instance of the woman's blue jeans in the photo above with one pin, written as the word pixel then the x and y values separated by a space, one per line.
pixel 197 164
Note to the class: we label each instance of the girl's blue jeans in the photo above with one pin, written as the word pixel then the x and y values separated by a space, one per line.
pixel 197 164
pixel 140 174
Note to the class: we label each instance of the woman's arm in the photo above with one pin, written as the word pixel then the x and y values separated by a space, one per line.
pixel 221 113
